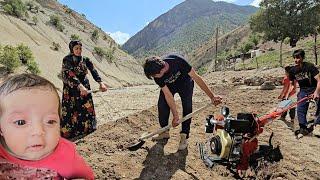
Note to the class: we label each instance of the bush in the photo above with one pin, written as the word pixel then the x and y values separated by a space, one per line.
pixel 108 55
pixel 35 20
pixel 56 46
pixel 75 37
pixel 33 67
pixel 24 53
pixel 55 21
pixel 15 7
pixel 10 58
pixel 202 71
pixel 68 11
pixel 30 5
pixel 95 35
pixel 99 51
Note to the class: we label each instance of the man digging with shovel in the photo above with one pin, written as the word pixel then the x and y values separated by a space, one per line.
pixel 174 75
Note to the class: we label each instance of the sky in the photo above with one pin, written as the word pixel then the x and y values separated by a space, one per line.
pixel 122 19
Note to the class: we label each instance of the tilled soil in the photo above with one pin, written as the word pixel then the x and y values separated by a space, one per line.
pixel 105 150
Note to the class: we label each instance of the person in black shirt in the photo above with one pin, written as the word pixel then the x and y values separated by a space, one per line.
pixel 174 75
pixel 308 79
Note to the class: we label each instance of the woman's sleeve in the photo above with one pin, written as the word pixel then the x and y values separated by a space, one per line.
pixel 93 70
pixel 68 74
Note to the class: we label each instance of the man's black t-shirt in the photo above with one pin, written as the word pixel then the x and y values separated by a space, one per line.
pixel 305 75
pixel 177 73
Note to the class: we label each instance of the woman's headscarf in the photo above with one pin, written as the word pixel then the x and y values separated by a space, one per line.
pixel 73 43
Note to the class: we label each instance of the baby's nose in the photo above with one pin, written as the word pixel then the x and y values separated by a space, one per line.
pixel 37 129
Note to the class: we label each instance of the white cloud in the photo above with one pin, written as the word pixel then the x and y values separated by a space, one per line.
pixel 256 3
pixel 119 37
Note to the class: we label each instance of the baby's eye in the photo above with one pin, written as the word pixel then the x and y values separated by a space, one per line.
pixel 52 122
pixel 20 122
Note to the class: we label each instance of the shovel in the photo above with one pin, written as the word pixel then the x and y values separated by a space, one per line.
pixel 139 144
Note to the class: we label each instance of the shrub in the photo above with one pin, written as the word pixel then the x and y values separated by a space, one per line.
pixel 202 71
pixel 35 20
pixel 95 35
pixel 56 46
pixel 15 7
pixel 24 53
pixel 99 51
pixel 30 5
pixel 55 21
pixel 75 37
pixel 108 55
pixel 10 58
pixel 67 9
pixel 33 67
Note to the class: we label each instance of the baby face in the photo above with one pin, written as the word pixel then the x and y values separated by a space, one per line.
pixel 30 122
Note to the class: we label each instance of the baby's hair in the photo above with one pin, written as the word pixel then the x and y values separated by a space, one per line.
pixel 26 81
pixel 287 68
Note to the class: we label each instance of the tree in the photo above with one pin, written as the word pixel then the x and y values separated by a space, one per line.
pixel 278 19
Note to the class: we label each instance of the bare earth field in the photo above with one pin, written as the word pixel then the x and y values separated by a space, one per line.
pixel 125 114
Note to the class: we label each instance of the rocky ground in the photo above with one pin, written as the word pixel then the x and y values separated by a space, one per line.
pixel 125 114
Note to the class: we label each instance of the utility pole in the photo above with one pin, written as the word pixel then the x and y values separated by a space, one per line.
pixel 315 47
pixel 216 58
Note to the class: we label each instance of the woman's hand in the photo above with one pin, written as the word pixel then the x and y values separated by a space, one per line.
pixel 83 90
pixel 103 87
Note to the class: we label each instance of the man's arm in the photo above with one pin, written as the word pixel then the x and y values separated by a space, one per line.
pixel 285 91
pixel 198 79
pixel 317 91
pixel 170 101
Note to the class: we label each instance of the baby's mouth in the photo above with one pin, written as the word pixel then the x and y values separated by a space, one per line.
pixel 36 147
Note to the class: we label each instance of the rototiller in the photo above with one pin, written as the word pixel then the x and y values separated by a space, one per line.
pixel 234 140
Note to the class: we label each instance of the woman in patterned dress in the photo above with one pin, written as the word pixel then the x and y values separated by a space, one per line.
pixel 78 114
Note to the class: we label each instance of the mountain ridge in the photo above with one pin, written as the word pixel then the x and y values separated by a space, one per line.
pixel 186 26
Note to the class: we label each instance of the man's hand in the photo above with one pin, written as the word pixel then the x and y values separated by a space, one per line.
pixel 103 87
pixel 216 100
pixel 315 95
pixel 281 97
pixel 175 120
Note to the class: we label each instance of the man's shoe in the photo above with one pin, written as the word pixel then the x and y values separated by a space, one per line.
pixel 164 135
pixel 183 141
pixel 316 130
pixel 302 132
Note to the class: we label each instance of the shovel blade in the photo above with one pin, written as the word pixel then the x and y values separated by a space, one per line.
pixel 136 146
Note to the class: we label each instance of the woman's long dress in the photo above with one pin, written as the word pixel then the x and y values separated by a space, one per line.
pixel 78 114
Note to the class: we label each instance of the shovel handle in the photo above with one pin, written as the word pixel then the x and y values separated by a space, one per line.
pixel 188 116
pixel 93 91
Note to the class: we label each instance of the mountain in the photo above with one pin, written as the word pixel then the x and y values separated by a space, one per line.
pixel 49 43
pixel 186 26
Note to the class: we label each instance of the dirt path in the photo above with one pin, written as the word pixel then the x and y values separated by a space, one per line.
pixel 105 149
